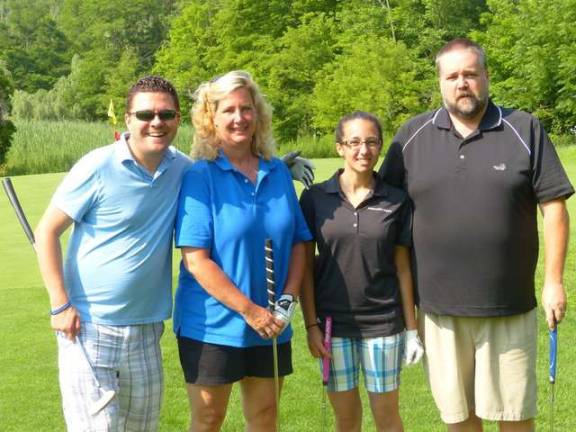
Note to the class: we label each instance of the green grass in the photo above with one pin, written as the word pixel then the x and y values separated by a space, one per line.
pixel 29 396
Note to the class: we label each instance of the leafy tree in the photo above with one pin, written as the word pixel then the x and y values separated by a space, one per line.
pixel 116 42
pixel 120 79
pixel 533 69
pixel 182 59
pixel 59 103
pixel 7 128
pixel 292 72
pixel 375 75
pixel 113 26
pixel 34 49
pixel 209 38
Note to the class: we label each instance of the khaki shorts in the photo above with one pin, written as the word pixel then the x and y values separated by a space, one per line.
pixel 485 365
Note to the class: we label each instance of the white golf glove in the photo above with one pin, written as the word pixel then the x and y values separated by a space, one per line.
pixel 301 169
pixel 284 309
pixel 414 348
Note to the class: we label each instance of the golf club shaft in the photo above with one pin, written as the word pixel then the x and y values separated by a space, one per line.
pixel 13 198
pixel 553 342
pixel 326 367
pixel 271 288
pixel 327 347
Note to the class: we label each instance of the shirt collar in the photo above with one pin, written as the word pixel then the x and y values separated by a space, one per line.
pixel 122 150
pixel 332 185
pixel 124 154
pixel 264 166
pixel 492 118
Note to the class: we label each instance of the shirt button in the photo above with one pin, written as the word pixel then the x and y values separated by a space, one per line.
pixel 355 225
pixel 245 180
pixel 462 157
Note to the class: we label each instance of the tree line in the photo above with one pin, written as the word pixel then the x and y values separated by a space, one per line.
pixel 314 59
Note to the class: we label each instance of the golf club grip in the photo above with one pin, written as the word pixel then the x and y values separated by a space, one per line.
pixel 327 347
pixel 270 279
pixel 553 338
pixel 13 198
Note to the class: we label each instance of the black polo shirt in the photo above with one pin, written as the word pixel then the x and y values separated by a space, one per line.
pixel 354 273
pixel 475 208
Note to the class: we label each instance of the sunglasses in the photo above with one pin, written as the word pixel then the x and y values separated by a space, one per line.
pixel 148 115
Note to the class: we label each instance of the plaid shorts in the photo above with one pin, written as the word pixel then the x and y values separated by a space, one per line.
pixel 126 359
pixel 379 358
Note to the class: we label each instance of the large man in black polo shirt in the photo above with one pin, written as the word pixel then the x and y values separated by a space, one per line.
pixel 476 173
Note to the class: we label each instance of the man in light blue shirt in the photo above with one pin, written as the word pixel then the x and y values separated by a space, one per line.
pixel 111 296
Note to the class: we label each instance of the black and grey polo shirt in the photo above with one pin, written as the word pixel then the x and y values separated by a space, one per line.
pixel 354 274
pixel 475 201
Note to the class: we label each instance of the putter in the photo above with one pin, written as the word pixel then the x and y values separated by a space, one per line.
pixel 105 396
pixel 553 342
pixel 326 368
pixel 271 288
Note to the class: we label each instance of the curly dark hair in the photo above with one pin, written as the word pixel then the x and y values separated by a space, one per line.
pixel 152 84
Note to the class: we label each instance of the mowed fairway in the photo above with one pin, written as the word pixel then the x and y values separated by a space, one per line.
pixel 29 394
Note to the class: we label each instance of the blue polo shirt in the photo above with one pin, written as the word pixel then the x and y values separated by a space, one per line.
pixel 224 212
pixel 118 268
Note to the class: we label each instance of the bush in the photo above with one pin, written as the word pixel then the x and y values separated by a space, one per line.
pixel 7 128
pixel 310 147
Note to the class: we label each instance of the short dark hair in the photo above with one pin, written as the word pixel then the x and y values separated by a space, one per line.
pixel 363 115
pixel 152 84
pixel 462 43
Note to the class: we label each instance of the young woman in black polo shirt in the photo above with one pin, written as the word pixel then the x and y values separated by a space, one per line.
pixel 361 278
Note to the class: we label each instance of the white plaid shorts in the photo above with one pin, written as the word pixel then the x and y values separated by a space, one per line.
pixel 126 359
pixel 379 359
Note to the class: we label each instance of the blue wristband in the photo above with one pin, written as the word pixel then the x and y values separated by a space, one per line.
pixel 60 309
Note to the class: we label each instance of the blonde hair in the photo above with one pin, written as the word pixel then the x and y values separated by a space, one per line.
pixel 206 98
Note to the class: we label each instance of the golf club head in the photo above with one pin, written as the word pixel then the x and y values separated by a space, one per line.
pixel 101 403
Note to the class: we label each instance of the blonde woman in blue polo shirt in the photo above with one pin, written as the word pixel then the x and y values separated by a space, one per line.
pixel 234 197
pixel 361 278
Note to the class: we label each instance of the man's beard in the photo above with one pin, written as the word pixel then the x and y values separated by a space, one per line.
pixel 467 106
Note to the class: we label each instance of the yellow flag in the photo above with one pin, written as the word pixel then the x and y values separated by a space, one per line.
pixel 111 114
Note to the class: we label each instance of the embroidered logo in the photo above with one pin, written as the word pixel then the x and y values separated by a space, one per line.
pixel 501 167
pixel 380 209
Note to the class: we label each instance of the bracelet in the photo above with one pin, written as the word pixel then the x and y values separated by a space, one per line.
pixel 60 309
pixel 309 326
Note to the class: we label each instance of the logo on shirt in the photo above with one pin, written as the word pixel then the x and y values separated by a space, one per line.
pixel 501 167
pixel 380 209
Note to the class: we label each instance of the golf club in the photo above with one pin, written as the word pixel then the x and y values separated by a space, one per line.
pixel 271 288
pixel 105 396
pixel 13 198
pixel 553 342
pixel 326 367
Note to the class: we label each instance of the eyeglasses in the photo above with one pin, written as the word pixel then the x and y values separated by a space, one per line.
pixel 149 115
pixel 355 144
